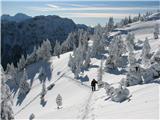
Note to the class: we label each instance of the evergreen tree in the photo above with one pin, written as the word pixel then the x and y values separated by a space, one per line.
pixel 116 49
pixel 130 42
pixel 100 75
pixel 146 53
pixel 87 59
pixel 110 24
pixel 59 101
pixel 44 51
pixel 22 63
pixel 156 31
pixel 12 73
pixel 57 49
pixel 32 57
pixel 44 90
pixel 6 99
pixel 24 86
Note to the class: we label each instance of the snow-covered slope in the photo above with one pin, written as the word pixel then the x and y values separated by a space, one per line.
pixel 78 100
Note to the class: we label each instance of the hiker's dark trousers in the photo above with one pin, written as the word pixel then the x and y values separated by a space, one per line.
pixel 93 88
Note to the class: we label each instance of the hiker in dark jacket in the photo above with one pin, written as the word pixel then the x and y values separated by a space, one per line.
pixel 93 84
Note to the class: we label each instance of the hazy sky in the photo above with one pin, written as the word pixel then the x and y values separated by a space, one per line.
pixel 90 12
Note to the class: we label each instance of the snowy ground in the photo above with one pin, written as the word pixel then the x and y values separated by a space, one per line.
pixel 78 100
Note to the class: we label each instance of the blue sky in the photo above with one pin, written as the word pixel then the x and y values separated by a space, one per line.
pixel 90 12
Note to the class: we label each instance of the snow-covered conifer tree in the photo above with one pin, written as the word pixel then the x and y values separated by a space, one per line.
pixel 100 75
pixel 131 58
pixel 6 99
pixel 116 49
pixel 87 59
pixel 12 73
pixel 98 41
pixel 57 49
pixel 134 75
pixel 32 57
pixel 59 101
pixel 44 51
pixel 110 24
pixel 156 31
pixel 130 42
pixel 22 62
pixel 146 52
pixel 24 86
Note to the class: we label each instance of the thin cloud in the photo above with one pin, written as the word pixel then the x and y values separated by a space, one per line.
pixel 52 7
pixel 97 15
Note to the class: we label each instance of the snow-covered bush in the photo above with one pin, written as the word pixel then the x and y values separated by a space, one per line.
pixel 120 94
pixel 6 99
pixel 151 73
pixel 59 101
pixel 24 86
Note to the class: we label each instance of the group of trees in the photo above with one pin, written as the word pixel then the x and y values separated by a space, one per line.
pixel 81 55
pixel 116 50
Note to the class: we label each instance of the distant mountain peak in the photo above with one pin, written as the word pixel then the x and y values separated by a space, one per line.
pixel 16 18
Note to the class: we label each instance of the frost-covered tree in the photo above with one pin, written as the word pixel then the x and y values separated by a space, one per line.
pixel 156 57
pixel 6 99
pixel 87 59
pixel 116 49
pixel 134 75
pixel 32 57
pixel 110 24
pixel 24 86
pixel 130 42
pixel 156 31
pixel 131 58
pixel 44 51
pixel 146 53
pixel 98 41
pixel 59 101
pixel 12 72
pixel 76 61
pixel 57 49
pixel 22 63
pixel 100 75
